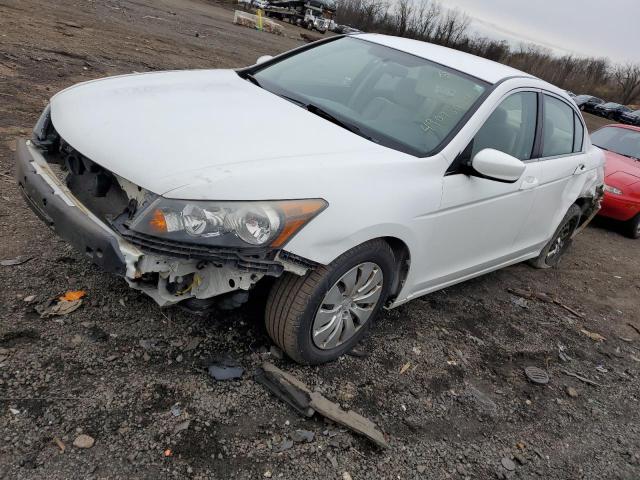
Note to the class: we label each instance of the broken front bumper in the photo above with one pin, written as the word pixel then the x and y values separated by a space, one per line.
pixel 169 272
pixel 47 197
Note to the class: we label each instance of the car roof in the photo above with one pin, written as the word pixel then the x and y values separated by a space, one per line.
pixel 479 67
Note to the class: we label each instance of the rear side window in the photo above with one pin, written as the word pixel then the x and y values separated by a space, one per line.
pixel 579 134
pixel 511 128
pixel 558 127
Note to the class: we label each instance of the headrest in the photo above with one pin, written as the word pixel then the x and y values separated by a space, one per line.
pixel 405 93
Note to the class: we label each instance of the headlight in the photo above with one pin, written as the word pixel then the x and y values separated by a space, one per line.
pixel 614 190
pixel 226 223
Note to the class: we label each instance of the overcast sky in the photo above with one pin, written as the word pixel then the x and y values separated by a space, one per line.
pixel 609 28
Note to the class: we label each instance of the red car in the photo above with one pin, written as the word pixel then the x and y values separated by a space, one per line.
pixel 621 144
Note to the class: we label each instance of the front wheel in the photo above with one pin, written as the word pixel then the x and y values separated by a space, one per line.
pixel 320 316
pixel 552 252
pixel 632 227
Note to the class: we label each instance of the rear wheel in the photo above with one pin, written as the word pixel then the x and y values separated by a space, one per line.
pixel 552 252
pixel 632 227
pixel 324 314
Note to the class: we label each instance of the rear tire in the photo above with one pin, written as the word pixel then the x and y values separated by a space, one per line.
pixel 632 227
pixel 553 251
pixel 296 304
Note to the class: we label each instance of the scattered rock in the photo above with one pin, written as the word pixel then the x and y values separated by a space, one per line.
pixel 29 298
pixel 572 392
pixel 346 476
pixel 83 441
pixel 285 445
pixel 299 436
pixel 267 474
pixel 276 352
pixel 508 464
pixel 421 468
pixel 176 410
pixel 181 426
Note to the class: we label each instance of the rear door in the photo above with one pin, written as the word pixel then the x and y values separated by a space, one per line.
pixel 564 168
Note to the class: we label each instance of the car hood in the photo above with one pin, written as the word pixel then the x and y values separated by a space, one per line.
pixel 621 170
pixel 164 131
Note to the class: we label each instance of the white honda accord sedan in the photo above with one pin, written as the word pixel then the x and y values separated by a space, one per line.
pixel 349 174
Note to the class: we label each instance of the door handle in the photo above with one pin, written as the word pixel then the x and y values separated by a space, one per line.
pixel 529 182
pixel 580 169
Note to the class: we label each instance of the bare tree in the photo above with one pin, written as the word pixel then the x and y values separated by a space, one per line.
pixel 425 19
pixel 404 12
pixel 627 79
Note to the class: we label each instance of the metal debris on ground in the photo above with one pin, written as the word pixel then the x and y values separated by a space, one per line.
pixel 562 353
pixel 11 262
pixel 226 369
pixel 537 375
pixel 306 402
pixel 543 297
pixel 581 378
pixel 176 410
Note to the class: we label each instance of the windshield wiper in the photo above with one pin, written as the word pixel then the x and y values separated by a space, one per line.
pixel 333 119
pixel 252 79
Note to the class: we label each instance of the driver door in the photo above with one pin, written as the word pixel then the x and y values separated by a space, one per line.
pixel 479 219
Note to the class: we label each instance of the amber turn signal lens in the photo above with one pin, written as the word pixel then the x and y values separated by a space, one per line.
pixel 297 213
pixel 158 223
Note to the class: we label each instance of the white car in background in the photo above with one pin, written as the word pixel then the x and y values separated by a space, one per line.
pixel 378 169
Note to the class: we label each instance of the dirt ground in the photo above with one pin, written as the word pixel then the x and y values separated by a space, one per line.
pixel 134 377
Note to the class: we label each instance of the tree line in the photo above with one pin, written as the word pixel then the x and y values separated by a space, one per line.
pixel 427 20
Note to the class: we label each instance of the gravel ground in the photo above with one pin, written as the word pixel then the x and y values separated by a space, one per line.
pixel 133 377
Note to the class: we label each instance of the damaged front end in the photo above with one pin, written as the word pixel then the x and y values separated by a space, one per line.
pixel 175 251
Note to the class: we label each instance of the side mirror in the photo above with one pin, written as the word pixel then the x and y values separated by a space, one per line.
pixel 263 58
pixel 496 165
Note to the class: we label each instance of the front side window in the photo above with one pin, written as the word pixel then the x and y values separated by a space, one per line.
pixel 511 128
pixel 558 128
pixel 391 97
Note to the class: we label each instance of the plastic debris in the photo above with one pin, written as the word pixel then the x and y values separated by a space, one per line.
pixel 73 295
pixel 291 390
pixel 226 369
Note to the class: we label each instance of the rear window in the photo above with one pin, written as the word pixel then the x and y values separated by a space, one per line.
pixel 558 128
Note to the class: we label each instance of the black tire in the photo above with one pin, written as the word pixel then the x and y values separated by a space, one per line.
pixel 294 301
pixel 632 227
pixel 567 226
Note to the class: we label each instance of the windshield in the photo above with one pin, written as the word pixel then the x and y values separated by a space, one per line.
pixel 619 140
pixel 611 104
pixel 388 96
